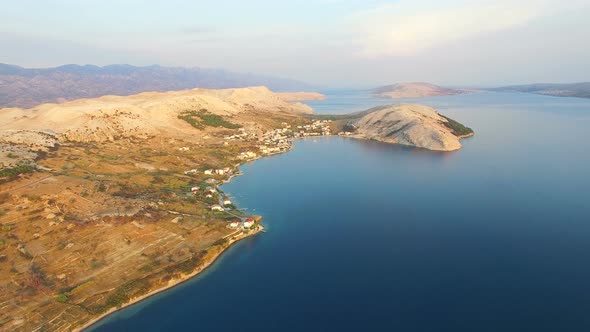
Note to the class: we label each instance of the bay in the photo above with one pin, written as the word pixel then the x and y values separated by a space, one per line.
pixel 366 236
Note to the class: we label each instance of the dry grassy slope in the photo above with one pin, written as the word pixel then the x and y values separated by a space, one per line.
pixel 408 124
pixel 97 224
pixel 140 115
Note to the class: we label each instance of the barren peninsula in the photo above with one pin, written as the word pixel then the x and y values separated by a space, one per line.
pixel 108 200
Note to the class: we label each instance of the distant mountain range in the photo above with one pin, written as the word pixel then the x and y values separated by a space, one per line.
pixel 25 87
pixel 414 90
pixel 581 90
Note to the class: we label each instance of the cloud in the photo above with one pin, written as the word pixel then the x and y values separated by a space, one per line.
pixel 200 29
pixel 408 28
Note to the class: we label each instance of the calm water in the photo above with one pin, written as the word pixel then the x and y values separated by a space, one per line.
pixel 369 236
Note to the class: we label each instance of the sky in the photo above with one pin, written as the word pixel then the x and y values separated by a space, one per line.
pixel 330 43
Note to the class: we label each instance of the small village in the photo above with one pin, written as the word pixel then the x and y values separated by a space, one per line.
pixel 223 204
pixel 268 143
pixel 280 139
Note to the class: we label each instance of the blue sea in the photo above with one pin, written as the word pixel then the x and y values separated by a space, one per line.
pixel 366 236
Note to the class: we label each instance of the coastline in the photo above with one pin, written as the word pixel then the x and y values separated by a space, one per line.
pixel 175 282
pixel 211 260
pixel 364 138
pixel 172 283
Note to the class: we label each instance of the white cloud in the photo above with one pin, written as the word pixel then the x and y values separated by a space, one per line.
pixel 410 27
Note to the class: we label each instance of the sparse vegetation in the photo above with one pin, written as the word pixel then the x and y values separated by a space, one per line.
pixel 213 120
pixel 203 118
pixel 99 207
pixel 16 170
pixel 123 294
pixel 458 128
pixel 63 297
pixel 189 118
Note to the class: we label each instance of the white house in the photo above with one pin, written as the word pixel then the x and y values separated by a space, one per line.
pixel 216 207
pixel 234 224
pixel 209 196
pixel 248 223
pixel 208 171
pixel 226 201
pixel 194 189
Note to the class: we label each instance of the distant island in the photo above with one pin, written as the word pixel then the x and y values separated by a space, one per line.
pixel 580 90
pixel 415 90
pixel 406 124
pixel 300 96
pixel 28 87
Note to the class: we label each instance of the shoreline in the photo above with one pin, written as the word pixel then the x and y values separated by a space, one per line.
pixel 259 229
pixel 172 283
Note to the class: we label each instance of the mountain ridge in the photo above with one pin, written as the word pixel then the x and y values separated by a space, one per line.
pixel 28 87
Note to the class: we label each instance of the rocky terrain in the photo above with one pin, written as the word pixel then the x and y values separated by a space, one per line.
pixel 143 115
pixel 22 147
pixel 414 90
pixel 411 125
pixel 28 87
pixel 580 90
pixel 105 200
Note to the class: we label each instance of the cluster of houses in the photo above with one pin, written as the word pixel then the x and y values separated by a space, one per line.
pixel 224 203
pixel 276 140
pixel 241 135
pixel 248 223
pixel 191 171
pixel 217 207
pixel 221 171
pixel 247 155
pixel 316 128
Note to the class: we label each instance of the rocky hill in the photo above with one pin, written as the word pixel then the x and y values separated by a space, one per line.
pixel 412 125
pixel 414 90
pixel 581 90
pixel 141 115
pixel 24 87
pixel 25 132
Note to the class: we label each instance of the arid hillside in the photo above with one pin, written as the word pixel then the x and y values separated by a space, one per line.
pixel 105 200
pixel 412 125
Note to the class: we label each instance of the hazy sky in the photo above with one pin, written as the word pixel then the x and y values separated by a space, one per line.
pixel 326 42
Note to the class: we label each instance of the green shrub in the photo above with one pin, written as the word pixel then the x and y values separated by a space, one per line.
pixel 63 297
pixel 16 170
pixel 457 128
pixel 203 118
